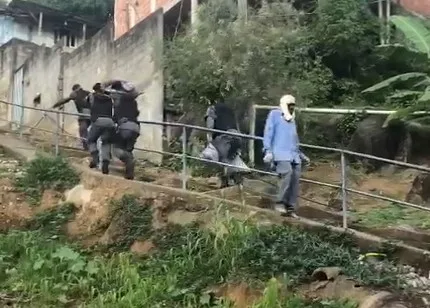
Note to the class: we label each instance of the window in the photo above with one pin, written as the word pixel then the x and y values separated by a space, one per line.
pixel 66 37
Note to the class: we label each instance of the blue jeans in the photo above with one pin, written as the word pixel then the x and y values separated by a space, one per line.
pixel 288 190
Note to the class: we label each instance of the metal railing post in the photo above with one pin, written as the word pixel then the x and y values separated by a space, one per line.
pixel 343 187
pixel 57 136
pixel 184 158
pixel 21 122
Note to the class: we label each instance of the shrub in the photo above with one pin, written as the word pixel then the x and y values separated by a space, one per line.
pixel 46 172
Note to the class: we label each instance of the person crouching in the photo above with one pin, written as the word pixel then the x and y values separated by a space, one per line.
pixel 224 148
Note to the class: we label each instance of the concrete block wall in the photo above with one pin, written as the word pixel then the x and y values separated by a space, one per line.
pixel 136 57
pixel 13 54
pixel 87 65
pixel 41 75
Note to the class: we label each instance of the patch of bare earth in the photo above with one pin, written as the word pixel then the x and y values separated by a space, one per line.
pixel 15 210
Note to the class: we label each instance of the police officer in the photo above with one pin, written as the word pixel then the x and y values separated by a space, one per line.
pixel 219 116
pixel 79 96
pixel 102 126
pixel 125 116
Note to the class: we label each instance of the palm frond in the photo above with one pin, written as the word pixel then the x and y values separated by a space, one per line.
pixel 415 31
pixel 396 80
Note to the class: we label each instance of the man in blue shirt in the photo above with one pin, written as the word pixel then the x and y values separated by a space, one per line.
pixel 281 146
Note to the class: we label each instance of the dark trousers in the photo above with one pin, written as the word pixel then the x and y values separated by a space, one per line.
pixel 84 124
pixel 125 139
pixel 103 128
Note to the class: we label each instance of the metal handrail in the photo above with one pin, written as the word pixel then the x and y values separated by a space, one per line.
pixel 205 129
pixel 185 156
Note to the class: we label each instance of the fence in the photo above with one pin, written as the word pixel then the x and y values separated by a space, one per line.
pixel 185 157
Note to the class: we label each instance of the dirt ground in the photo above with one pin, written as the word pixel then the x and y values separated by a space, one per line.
pixel 395 185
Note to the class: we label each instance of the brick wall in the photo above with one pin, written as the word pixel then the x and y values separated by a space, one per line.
pixel 130 13
pixel 421 7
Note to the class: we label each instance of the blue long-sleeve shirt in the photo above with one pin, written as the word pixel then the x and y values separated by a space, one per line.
pixel 281 138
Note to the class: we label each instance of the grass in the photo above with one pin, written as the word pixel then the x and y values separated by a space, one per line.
pixel 46 172
pixel 134 219
pixel 52 221
pixel 394 215
pixel 39 270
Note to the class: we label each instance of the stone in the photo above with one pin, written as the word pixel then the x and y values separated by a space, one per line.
pixel 326 273
pixel 420 191
pixel 376 300
pixel 142 248
pixel 371 138
pixel 78 195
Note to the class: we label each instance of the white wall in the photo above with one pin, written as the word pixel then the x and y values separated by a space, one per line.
pixel 9 28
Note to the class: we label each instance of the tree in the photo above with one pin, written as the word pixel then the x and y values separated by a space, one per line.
pixel 255 61
pixel 411 90
pixel 94 9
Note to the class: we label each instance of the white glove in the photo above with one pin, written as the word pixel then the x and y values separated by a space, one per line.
pixel 268 157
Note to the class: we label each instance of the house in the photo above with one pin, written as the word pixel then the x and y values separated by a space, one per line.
pixel 42 25
pixel 128 13
pixel 420 7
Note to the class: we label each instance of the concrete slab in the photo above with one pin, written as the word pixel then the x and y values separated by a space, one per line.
pixel 17 148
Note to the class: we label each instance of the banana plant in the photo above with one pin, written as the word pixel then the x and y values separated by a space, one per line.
pixel 413 86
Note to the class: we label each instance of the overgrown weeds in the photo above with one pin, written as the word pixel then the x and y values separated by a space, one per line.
pixel 134 220
pixel 395 215
pixel 188 261
pixel 53 220
pixel 46 172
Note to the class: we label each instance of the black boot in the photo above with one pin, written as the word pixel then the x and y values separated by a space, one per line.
pixel 94 160
pixel 129 169
pixel 105 167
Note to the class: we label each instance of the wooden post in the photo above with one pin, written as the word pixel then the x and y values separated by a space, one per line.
pixel 84 32
pixel 39 30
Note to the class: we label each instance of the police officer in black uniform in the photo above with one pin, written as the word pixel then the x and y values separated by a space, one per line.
pixel 102 126
pixel 125 116
pixel 221 117
pixel 79 96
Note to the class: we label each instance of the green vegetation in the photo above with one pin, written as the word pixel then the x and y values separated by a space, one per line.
pixel 40 270
pixel 395 215
pixel 46 172
pixel 325 54
pixel 134 219
pixel 52 221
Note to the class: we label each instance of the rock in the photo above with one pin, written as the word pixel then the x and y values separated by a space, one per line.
pixel 114 231
pixel 182 218
pixel 420 190
pixel 377 300
pixel 78 195
pixel 371 138
pixel 141 248
pixel 326 273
